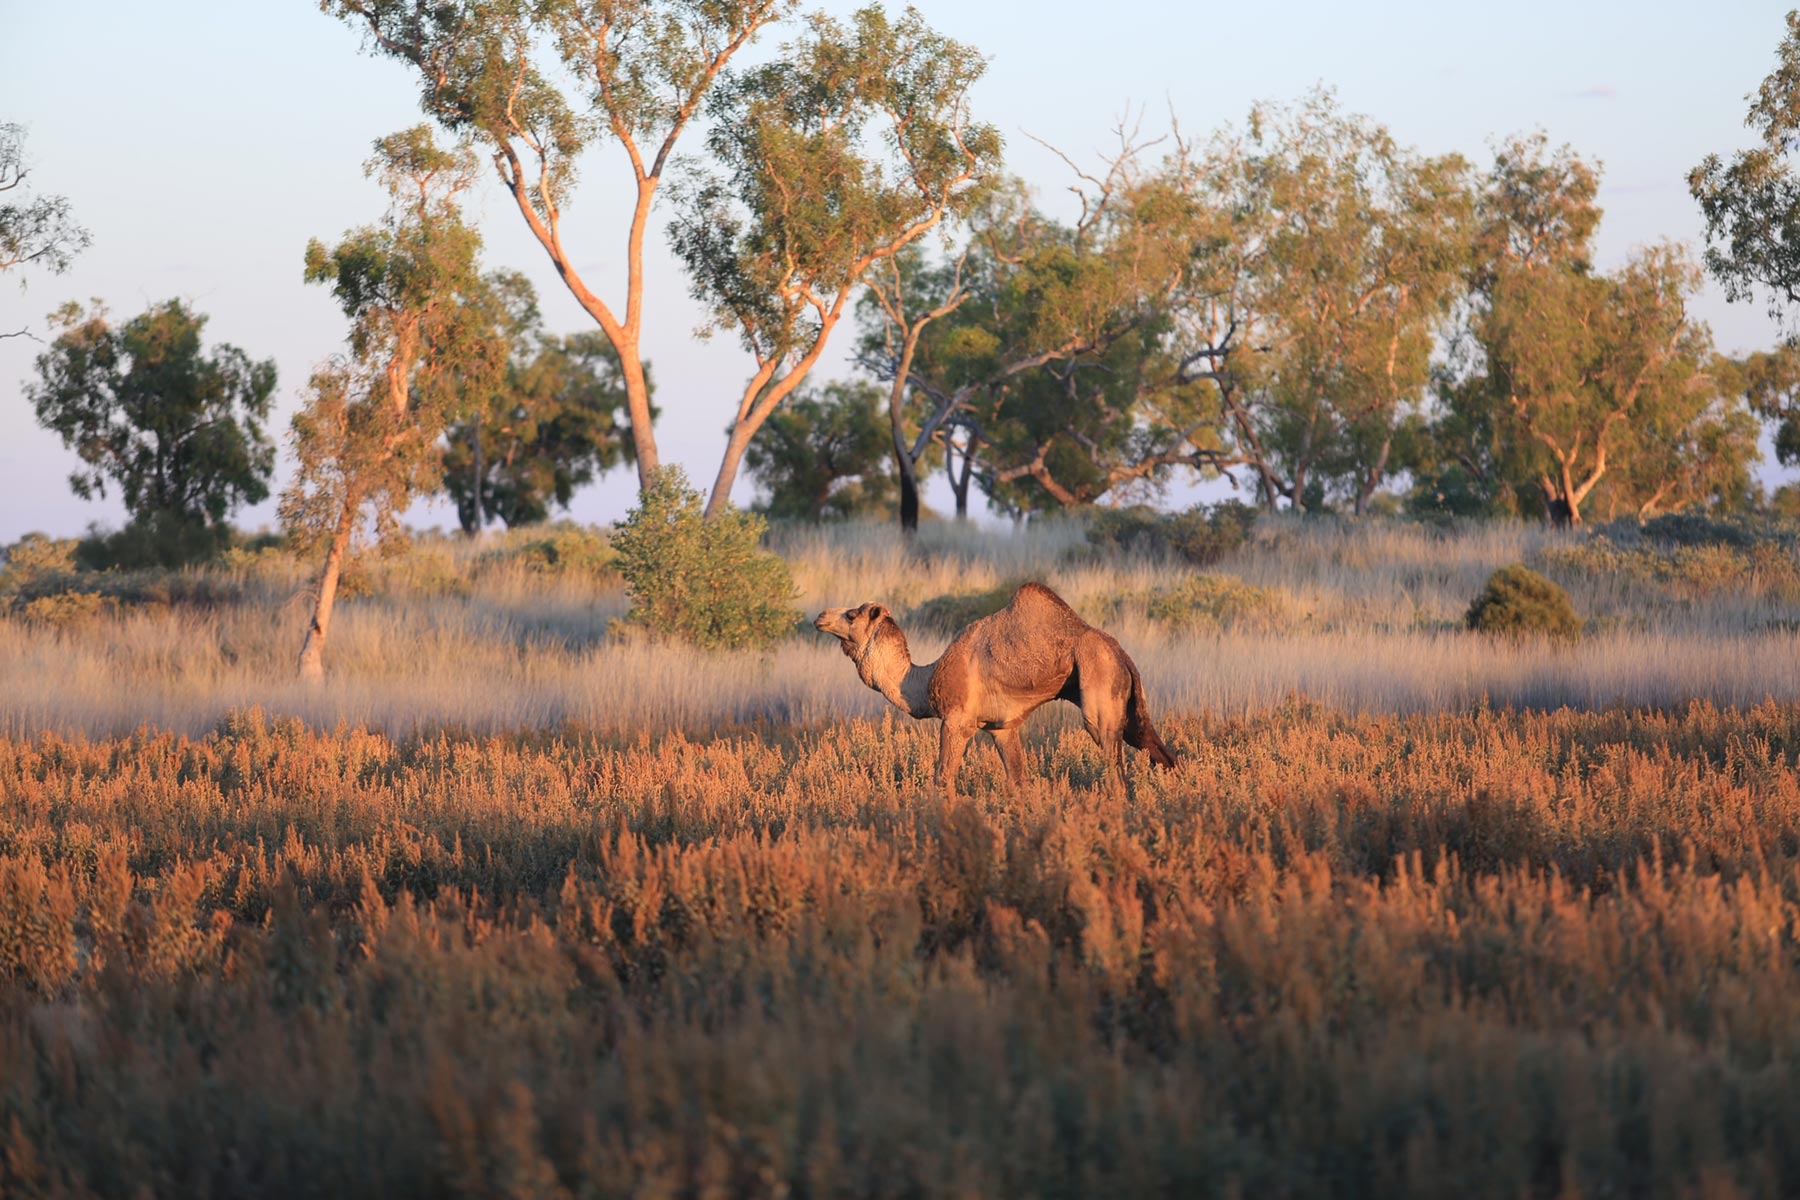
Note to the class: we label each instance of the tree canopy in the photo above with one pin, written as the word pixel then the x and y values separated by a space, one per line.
pixel 37 231
pixel 177 430
pixel 556 421
pixel 1751 203
pixel 825 455
pixel 429 338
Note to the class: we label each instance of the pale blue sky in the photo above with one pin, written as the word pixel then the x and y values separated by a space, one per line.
pixel 204 141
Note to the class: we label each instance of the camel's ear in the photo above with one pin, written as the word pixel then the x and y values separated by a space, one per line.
pixel 876 613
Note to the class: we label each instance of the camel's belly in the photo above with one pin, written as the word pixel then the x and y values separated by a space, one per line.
pixel 1009 712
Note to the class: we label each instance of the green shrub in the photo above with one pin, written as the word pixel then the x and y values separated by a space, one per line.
pixel 705 582
pixel 155 540
pixel 1201 535
pixel 1518 602
pixel 68 608
pixel 1686 568
pixel 34 558
pixel 1699 529
pixel 1205 604
pixel 956 611
pixel 566 549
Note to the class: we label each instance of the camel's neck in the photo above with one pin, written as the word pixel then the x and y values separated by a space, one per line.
pixel 885 664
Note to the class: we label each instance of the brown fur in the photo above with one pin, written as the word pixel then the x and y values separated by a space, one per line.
pixel 998 672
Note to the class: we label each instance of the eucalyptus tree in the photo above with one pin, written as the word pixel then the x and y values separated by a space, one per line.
pixel 178 431
pixel 1596 371
pixel 1769 381
pixel 552 421
pixel 1583 385
pixel 423 340
pixel 40 231
pixel 905 295
pixel 1038 341
pixel 1342 257
pixel 536 83
pixel 1752 203
pixel 1536 210
pixel 828 161
pixel 1751 206
pixel 824 455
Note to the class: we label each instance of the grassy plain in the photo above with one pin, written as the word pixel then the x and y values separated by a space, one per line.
pixel 517 907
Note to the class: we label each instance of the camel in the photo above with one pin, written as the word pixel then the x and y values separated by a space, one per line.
pixel 999 671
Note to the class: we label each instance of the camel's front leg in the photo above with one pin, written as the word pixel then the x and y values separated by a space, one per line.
pixel 1012 755
pixel 953 739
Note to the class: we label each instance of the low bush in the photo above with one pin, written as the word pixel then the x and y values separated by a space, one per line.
pixel 956 611
pixel 563 549
pixel 67 608
pixel 36 562
pixel 1688 568
pixel 1207 604
pixel 1518 602
pixel 708 583
pixel 153 541
pixel 1201 535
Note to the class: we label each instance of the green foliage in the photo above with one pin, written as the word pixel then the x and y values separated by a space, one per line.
pixel 1362 248
pixel 1062 367
pixel 40 231
pixel 1752 205
pixel 179 432
pixel 825 454
pixel 564 549
pixel 706 582
pixel 156 541
pixel 555 421
pixel 1518 602
pixel 1692 555
pixel 35 557
pixel 1217 604
pixel 953 612
pixel 1576 390
pixel 848 148
pixel 1770 383
pixel 68 608
pixel 1201 535
pixel 840 152
pixel 429 336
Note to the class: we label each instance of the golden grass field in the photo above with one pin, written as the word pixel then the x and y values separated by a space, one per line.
pixel 514 906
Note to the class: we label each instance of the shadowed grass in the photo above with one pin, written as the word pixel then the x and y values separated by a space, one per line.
pixel 1487 954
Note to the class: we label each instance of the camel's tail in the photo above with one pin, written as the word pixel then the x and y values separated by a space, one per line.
pixel 1140 731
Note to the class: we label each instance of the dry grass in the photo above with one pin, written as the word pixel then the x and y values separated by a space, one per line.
pixel 1364 618
pixel 1486 955
pixel 515 906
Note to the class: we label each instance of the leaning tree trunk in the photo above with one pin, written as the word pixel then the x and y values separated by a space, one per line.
pixel 959 478
pixel 312 650
pixel 479 521
pixel 1377 472
pixel 909 491
pixel 735 445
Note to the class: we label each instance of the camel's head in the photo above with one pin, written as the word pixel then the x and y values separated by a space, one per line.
pixel 854 627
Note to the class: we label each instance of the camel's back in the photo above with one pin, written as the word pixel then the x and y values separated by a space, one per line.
pixel 1027 646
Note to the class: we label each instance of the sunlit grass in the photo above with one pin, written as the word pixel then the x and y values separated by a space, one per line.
pixel 1368 619
pixel 1474 955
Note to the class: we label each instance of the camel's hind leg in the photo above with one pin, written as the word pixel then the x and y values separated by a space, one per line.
pixel 1105 693
pixel 1012 755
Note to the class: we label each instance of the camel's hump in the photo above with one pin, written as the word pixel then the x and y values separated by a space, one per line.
pixel 1037 596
